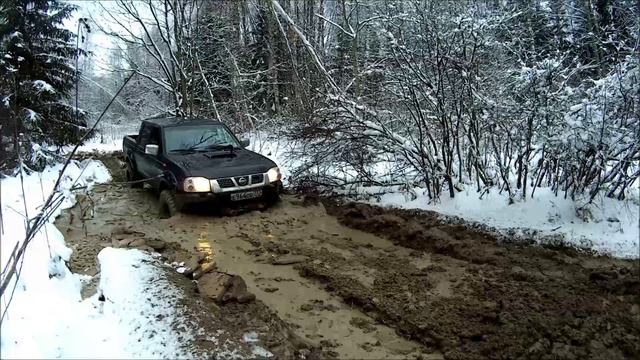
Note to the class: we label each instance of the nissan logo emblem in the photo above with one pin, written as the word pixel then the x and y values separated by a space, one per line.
pixel 242 181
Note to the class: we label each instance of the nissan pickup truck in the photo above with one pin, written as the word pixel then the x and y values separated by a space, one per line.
pixel 189 161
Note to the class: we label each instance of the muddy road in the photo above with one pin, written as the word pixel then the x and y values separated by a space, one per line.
pixel 355 281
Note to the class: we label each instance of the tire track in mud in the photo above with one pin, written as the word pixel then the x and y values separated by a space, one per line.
pixel 508 301
pixel 246 245
pixel 383 283
pixel 214 330
pixel 249 244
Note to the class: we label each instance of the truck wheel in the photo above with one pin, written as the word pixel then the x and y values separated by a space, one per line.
pixel 168 205
pixel 132 175
pixel 273 199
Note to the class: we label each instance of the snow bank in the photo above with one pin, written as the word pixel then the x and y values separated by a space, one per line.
pixel 131 316
pixel 139 309
pixel 42 304
pixel 48 319
pixel 37 187
pixel 103 147
pixel 95 144
pixel 613 227
pixel 108 137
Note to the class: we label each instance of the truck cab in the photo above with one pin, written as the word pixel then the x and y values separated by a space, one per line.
pixel 197 161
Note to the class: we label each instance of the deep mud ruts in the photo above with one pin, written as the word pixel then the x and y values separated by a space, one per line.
pixel 359 281
pixel 508 302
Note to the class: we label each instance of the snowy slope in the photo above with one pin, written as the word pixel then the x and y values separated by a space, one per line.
pixel 46 317
pixel 612 227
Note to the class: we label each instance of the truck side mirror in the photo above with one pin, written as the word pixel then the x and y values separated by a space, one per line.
pixel 245 143
pixel 151 149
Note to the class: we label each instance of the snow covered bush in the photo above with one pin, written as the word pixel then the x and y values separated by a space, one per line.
pixel 508 97
pixel 604 131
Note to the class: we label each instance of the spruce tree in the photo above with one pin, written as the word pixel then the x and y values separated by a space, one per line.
pixel 38 74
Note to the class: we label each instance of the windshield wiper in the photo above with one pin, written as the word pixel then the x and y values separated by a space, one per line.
pixel 218 147
pixel 213 147
pixel 186 151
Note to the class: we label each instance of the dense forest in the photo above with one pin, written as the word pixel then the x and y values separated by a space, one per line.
pixel 509 95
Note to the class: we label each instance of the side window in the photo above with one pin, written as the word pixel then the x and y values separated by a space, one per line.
pixel 145 134
pixel 154 137
pixel 150 135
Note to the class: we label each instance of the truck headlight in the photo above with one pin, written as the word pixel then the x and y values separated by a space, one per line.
pixel 197 184
pixel 274 174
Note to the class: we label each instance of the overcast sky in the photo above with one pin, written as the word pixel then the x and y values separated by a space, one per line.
pixel 98 43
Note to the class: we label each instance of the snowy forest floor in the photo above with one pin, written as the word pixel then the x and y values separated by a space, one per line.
pixel 371 282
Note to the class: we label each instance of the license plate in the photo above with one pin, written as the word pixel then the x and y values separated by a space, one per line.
pixel 246 195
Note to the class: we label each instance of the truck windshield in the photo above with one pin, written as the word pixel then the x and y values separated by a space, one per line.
pixel 201 137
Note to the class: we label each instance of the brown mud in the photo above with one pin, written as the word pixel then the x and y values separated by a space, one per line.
pixel 356 281
pixel 505 300
pixel 295 315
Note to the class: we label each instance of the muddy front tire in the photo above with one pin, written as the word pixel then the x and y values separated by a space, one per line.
pixel 168 205
pixel 272 199
pixel 132 175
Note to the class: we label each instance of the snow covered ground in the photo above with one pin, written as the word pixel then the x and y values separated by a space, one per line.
pixel 276 150
pixel 106 146
pixel 612 227
pixel 47 318
pixel 138 310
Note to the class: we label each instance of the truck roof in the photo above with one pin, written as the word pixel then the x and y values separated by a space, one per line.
pixel 177 121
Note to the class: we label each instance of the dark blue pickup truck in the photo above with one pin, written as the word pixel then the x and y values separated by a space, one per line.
pixel 191 160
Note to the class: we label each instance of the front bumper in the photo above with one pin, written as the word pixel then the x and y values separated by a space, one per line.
pixel 269 192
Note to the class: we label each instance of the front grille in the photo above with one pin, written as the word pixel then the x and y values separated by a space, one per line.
pixel 257 178
pixel 226 183
pixel 242 180
pixel 230 183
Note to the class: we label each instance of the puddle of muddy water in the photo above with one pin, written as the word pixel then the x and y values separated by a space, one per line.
pixel 292 296
pixel 317 315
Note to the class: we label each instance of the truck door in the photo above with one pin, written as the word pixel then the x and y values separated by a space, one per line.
pixel 153 163
pixel 145 163
pixel 138 154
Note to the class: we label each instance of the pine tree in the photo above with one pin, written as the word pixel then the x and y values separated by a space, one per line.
pixel 37 72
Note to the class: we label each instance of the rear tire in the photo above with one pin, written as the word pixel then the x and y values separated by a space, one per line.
pixel 168 205
pixel 132 175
